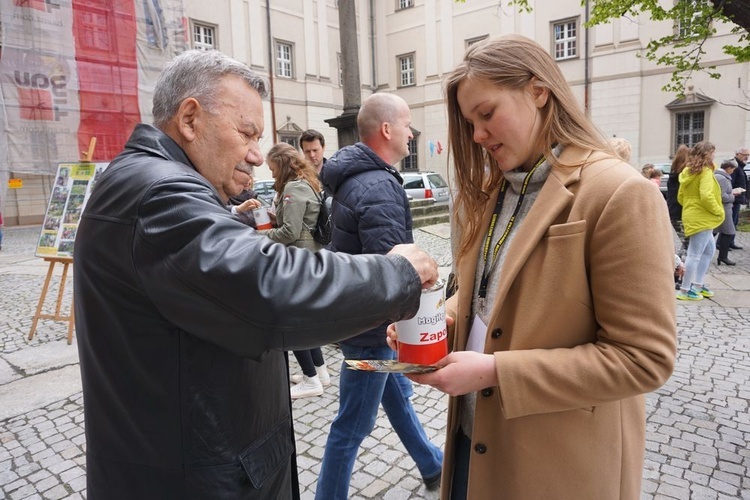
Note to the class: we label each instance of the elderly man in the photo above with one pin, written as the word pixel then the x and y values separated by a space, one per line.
pixel 739 180
pixel 183 312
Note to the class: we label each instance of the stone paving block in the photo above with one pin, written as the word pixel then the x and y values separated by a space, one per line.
pixel 57 492
pixel 375 488
pixel 697 479
pixel 672 491
pixel 7 477
pixel 47 483
pixel 23 492
pixel 61 466
pixel 723 487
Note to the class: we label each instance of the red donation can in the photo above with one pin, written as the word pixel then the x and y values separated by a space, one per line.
pixel 423 339
pixel 262 219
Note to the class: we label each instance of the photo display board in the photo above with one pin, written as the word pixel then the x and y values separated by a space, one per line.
pixel 73 185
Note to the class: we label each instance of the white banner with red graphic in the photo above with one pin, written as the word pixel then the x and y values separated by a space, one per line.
pixel 71 70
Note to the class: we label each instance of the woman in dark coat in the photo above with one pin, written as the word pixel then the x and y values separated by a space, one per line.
pixel 726 230
pixel 673 185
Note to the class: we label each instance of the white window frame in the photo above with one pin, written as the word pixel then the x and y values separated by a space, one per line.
pixel 406 73
pixel 411 162
pixel 203 35
pixel 682 29
pixel 565 47
pixel 284 56
pixel 691 131
pixel 404 4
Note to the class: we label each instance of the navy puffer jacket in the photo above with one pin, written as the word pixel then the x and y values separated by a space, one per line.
pixel 370 211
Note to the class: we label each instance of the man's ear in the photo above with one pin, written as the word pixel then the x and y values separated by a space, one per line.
pixel 187 117
pixel 385 130
pixel 539 92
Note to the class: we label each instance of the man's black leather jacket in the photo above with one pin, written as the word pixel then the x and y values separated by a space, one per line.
pixel 182 313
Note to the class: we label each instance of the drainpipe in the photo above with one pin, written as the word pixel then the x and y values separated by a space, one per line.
pixel 372 44
pixel 270 73
pixel 586 81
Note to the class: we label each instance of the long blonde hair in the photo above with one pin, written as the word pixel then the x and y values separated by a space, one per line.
pixel 291 166
pixel 509 61
pixel 700 157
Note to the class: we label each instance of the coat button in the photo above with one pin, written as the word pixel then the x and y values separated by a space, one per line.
pixel 487 392
pixel 480 448
pixel 496 333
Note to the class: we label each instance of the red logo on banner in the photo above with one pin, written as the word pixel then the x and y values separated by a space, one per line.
pixel 35 104
pixel 43 5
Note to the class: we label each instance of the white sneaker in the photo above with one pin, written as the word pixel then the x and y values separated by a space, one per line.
pixel 307 388
pixel 325 377
pixel 322 371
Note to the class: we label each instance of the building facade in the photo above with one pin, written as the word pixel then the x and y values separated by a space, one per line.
pixel 408 46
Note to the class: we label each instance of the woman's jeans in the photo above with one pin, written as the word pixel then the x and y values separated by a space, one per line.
pixel 699 255
pixel 361 393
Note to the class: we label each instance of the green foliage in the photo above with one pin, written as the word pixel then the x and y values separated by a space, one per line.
pixel 694 22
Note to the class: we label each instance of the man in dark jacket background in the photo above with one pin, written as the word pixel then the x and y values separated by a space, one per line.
pixel 739 180
pixel 370 215
pixel 183 312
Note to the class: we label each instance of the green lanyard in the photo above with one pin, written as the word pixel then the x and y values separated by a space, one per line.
pixel 489 265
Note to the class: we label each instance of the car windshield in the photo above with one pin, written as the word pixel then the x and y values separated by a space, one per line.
pixel 437 181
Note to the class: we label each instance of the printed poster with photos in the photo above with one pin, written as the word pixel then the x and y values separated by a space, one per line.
pixel 73 185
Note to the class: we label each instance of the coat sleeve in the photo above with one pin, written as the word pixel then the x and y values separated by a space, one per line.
pixel 726 189
pixel 295 200
pixel 213 277
pixel 707 191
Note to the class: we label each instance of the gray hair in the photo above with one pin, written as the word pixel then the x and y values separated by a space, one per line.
pixel 196 73
pixel 377 109
pixel 730 163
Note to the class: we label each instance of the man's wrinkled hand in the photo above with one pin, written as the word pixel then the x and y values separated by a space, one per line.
pixel 425 265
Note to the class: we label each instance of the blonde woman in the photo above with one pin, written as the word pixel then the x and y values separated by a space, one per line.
pixel 297 206
pixel 702 212
pixel 561 326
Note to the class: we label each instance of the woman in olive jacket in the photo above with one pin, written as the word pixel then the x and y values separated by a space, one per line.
pixel 702 212
pixel 297 206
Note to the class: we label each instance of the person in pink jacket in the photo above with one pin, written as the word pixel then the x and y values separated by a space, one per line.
pixel 702 212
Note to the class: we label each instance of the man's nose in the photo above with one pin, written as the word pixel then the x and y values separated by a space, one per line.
pixel 254 156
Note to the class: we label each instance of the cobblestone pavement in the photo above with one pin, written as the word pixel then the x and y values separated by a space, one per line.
pixel 698 430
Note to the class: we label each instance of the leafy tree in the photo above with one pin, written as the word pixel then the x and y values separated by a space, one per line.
pixel 694 20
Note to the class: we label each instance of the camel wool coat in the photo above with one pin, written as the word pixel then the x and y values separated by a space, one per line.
pixel 583 324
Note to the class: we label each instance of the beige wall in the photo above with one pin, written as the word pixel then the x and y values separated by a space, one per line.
pixel 625 91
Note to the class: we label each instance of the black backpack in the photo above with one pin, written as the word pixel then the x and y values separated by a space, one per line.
pixel 323 226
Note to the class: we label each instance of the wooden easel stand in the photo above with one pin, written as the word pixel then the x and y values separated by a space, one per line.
pixel 66 262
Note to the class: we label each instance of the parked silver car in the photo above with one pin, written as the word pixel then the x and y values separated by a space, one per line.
pixel 426 185
pixel 265 191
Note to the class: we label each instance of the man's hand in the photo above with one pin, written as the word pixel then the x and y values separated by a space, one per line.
pixel 425 265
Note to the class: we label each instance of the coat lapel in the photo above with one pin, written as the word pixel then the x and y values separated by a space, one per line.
pixel 552 201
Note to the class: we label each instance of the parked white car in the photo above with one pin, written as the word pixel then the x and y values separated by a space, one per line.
pixel 426 185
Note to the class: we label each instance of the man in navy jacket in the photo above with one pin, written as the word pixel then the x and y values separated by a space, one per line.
pixel 371 215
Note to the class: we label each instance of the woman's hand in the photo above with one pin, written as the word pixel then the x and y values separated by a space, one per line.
pixel 247 205
pixel 460 373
